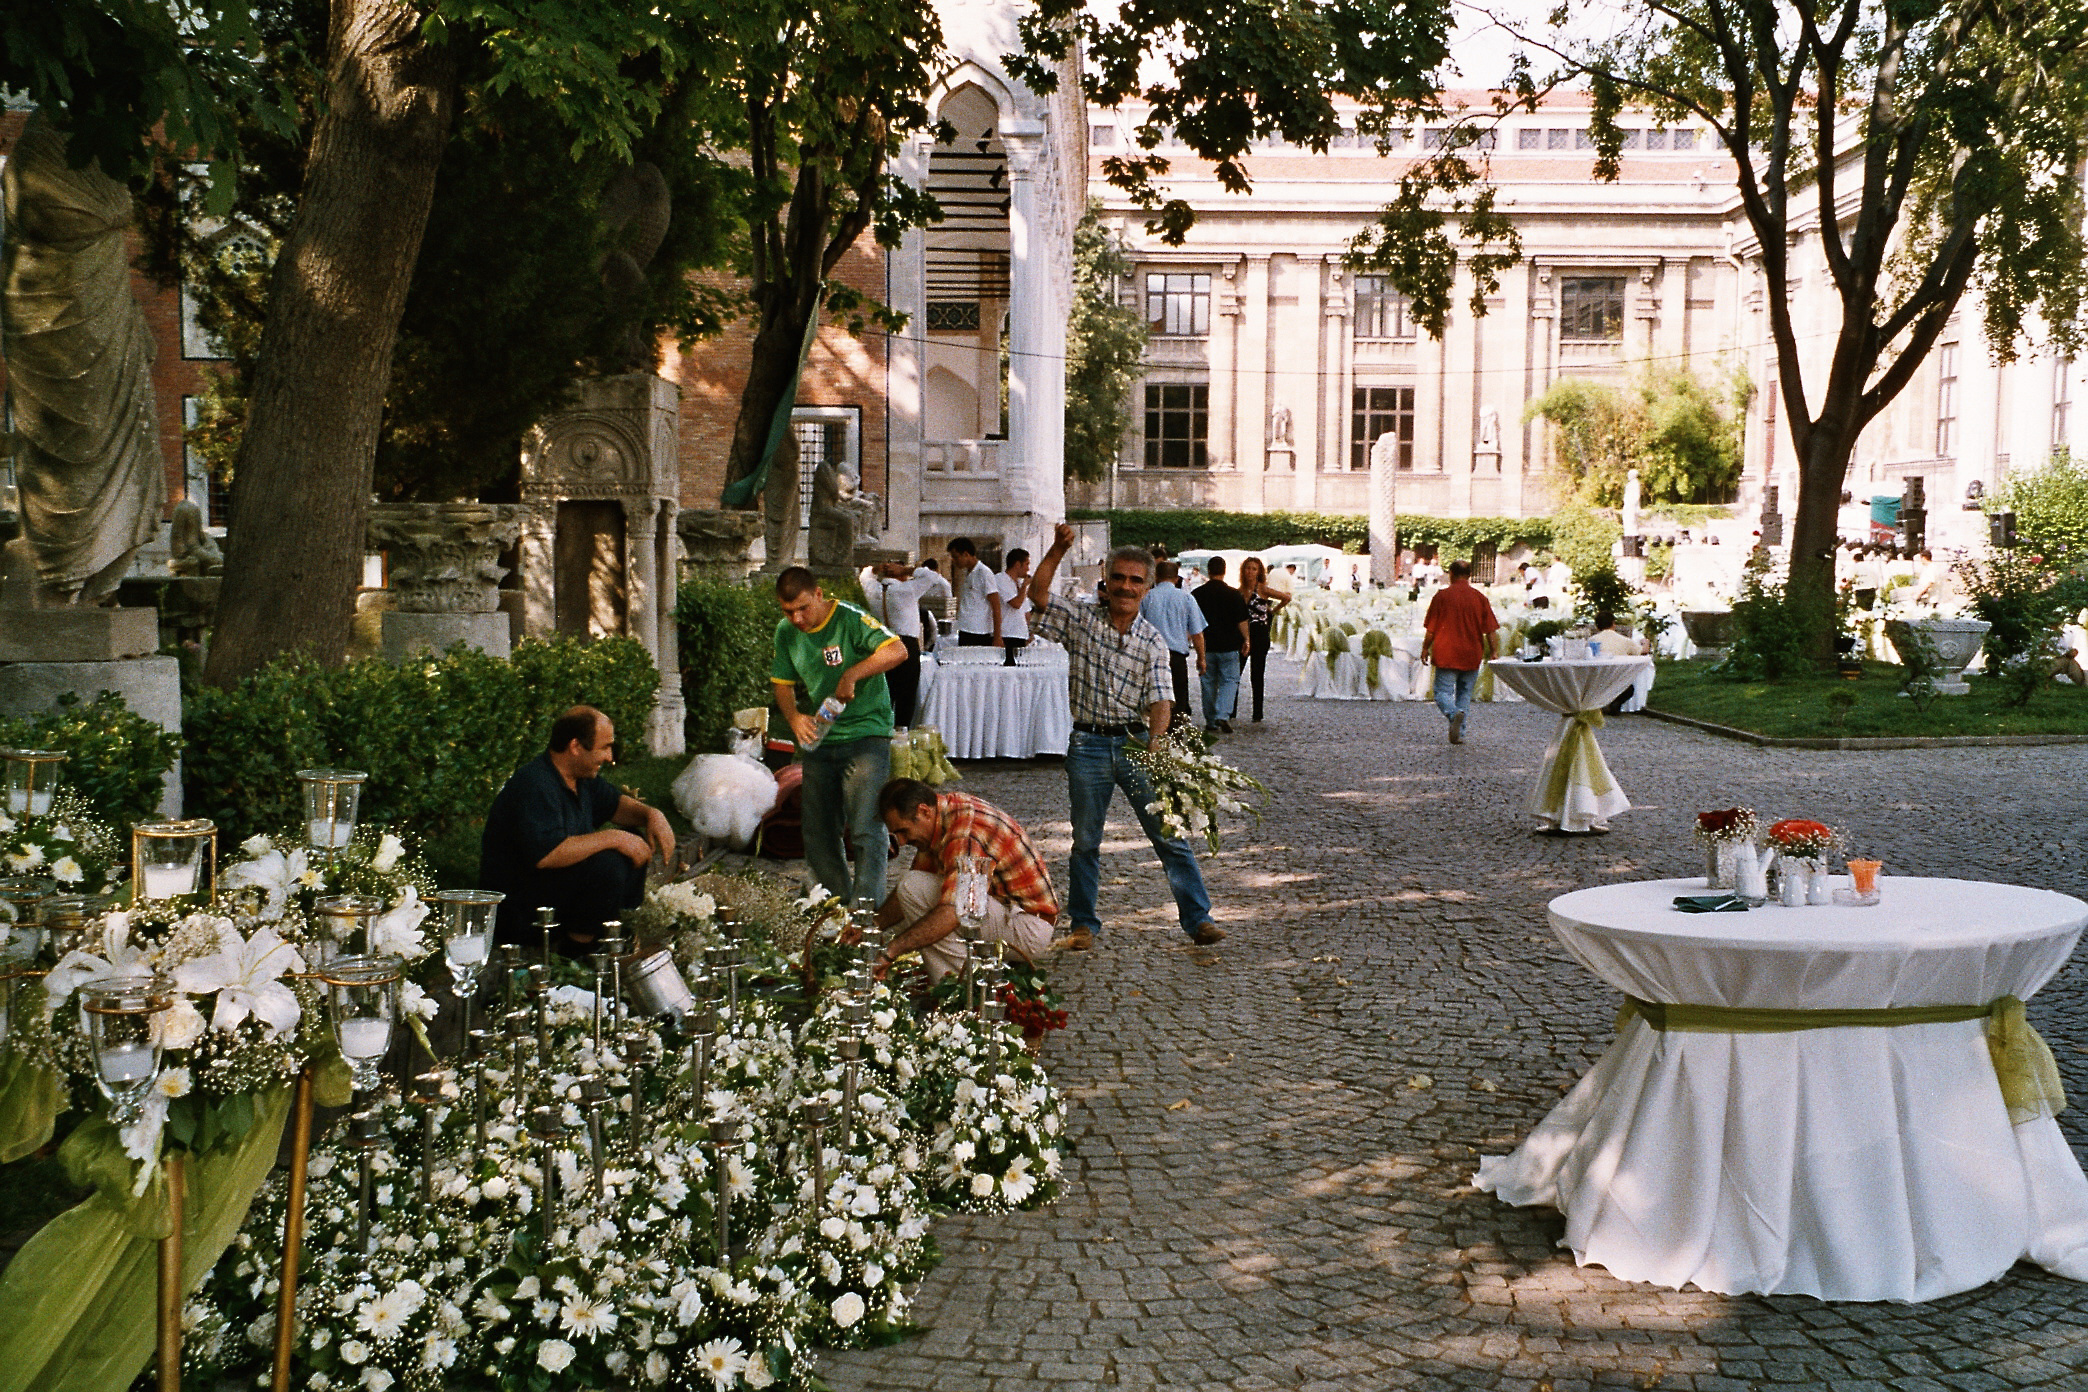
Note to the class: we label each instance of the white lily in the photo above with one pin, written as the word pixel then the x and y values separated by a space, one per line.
pixel 247 981
pixel 397 929
pixel 275 875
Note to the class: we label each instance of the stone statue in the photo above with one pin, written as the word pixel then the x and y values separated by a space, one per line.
pixel 636 206
pixel 1631 503
pixel 79 366
pixel 191 550
pixel 779 505
pixel 1489 430
pixel 843 516
pixel 1280 426
pixel 1385 453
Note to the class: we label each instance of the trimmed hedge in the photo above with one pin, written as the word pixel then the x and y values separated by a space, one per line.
pixel 1200 529
pixel 438 736
pixel 118 756
pixel 727 636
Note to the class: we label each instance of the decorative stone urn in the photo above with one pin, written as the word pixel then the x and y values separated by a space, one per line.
pixel 718 545
pixel 1710 629
pixel 445 573
pixel 1944 646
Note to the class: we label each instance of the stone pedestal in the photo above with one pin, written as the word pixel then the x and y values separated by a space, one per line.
pixel 150 686
pixel 77 634
pixel 405 633
pixel 719 544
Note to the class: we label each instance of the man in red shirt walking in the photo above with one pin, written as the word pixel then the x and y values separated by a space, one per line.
pixel 1460 637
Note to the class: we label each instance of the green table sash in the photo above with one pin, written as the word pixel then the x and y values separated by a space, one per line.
pixel 2023 1062
pixel 30 1097
pixel 1578 760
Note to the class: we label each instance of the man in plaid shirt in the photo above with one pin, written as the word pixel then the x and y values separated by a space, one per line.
pixel 943 826
pixel 1121 688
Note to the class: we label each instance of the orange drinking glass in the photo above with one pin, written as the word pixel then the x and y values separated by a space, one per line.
pixel 1866 874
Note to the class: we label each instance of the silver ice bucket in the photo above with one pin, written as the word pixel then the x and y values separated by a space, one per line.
pixel 654 986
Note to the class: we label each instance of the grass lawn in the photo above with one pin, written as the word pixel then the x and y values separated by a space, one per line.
pixel 454 858
pixel 1799 709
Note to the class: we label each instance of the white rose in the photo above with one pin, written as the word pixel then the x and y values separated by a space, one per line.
pixel 354 1350
pixel 757 1372
pixel 389 850
pixel 496 1188
pixel 554 1355
pixel 377 1380
pixel 848 1308
pixel 982 1186
pixel 181 1024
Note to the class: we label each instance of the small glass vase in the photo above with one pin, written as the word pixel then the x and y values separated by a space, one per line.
pixel 1711 864
pixel 1723 864
pixel 1821 890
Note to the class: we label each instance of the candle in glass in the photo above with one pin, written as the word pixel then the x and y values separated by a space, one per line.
pixel 167 858
pixel 365 996
pixel 467 938
pixel 30 774
pixel 119 1012
pixel 331 800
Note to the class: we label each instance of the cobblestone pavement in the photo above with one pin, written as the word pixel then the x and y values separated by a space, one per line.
pixel 1306 1221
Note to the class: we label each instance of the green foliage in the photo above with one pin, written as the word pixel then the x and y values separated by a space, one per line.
pixel 438 736
pixel 118 756
pixel 1684 442
pixel 1804 706
pixel 2050 504
pixel 1194 529
pixel 1773 631
pixel 1105 351
pixel 1602 589
pixel 727 638
pixel 2027 599
pixel 1583 538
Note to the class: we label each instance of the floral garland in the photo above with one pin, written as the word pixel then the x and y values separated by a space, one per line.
pixel 1193 788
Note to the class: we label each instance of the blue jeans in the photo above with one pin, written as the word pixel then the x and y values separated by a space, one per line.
pixel 1221 686
pixel 1095 768
pixel 1453 690
pixel 842 780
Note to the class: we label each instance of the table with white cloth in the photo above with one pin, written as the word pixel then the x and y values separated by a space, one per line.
pixel 1873 1161
pixel 988 711
pixel 1574 790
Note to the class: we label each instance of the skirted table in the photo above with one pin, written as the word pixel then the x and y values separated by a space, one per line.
pixel 987 711
pixel 1838 1102
pixel 1574 790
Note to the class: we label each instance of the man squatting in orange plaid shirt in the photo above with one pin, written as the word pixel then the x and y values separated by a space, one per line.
pixel 942 827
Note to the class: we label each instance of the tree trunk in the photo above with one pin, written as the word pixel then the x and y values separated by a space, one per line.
pixel 301 486
pixel 1823 469
pixel 771 368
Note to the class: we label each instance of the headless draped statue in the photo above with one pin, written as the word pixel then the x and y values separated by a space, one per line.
pixel 79 369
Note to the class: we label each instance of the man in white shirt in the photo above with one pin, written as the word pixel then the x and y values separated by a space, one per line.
pixel 978 597
pixel 894 596
pixel 1014 594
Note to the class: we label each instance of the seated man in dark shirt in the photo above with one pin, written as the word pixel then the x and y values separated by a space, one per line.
pixel 541 846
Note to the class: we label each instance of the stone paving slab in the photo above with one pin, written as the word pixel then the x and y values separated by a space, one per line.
pixel 1390 1006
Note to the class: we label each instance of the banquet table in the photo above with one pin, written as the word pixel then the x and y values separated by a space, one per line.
pixel 1574 790
pixel 987 711
pixel 1874 1161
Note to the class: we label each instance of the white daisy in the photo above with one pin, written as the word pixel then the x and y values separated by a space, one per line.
pixel 586 1317
pixel 722 1359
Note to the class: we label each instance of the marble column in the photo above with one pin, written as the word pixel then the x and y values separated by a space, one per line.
pixel 1251 385
pixel 1224 447
pixel 906 291
pixel 1033 483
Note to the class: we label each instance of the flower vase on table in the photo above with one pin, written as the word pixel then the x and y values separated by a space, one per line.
pixel 1804 846
pixel 1722 834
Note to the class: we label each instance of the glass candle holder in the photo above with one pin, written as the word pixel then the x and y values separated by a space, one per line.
pixel 169 860
pixel 65 922
pixel 363 992
pixel 30 776
pixel 22 900
pixel 467 937
pixel 343 920
pixel 118 1012
pixel 332 798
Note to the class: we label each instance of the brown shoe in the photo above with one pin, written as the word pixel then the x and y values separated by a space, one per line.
pixel 1204 934
pixel 1079 940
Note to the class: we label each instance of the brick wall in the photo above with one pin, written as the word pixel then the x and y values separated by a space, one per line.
pixel 173 377
pixel 841 370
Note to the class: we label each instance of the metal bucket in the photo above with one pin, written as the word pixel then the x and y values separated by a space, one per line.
pixel 654 986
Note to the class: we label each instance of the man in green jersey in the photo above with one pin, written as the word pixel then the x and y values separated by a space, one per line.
pixel 836 650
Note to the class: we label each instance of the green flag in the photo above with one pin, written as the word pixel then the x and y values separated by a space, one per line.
pixel 741 493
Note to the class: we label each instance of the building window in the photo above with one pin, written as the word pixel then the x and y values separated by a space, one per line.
pixel 1656 140
pixel 823 433
pixel 1682 140
pixel 1101 135
pixel 1381 311
pixel 1177 425
pixel 1558 140
pixel 1946 401
pixel 2062 401
pixel 1379 410
pixel 1582 140
pixel 953 316
pixel 1529 139
pixel 1178 304
pixel 199 485
pixel 1591 309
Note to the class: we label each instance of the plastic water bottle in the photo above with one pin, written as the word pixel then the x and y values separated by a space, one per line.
pixel 823 719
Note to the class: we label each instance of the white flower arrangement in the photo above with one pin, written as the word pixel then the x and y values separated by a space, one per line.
pixel 1193 789
pixel 69 844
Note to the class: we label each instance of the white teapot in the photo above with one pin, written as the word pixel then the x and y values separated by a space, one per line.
pixel 1751 870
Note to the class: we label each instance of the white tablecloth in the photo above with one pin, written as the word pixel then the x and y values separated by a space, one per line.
pixel 989 712
pixel 1848 1163
pixel 1590 796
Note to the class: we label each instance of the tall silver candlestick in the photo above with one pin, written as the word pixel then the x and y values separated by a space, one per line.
pixel 365 1135
pixel 851 1053
pixel 991 1013
pixel 482 1062
pixel 593 1093
pixel 540 995
pixel 602 961
pixel 510 963
pixel 427 1095
pixel 547 922
pixel 813 1113
pixel 638 1066
pixel 723 1133
pixel 545 1130
pixel 613 948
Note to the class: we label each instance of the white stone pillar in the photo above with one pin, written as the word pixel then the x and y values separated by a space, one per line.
pixel 640 584
pixel 906 290
pixel 1033 480
pixel 1384 515
pixel 1225 446
pixel 1251 384
pixel 664 731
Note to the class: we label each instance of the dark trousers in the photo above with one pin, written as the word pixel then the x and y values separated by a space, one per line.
pixel 1014 646
pixel 974 640
pixel 584 896
pixel 1178 666
pixel 905 682
pixel 1257 661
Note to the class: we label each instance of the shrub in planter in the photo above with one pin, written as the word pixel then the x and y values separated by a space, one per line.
pixel 118 756
pixel 727 635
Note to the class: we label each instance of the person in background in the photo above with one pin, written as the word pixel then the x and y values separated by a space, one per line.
pixel 978 597
pixel 898 595
pixel 1606 641
pixel 1225 641
pixel 1286 579
pixel 1014 586
pixel 1461 633
pixel 1181 625
pixel 1264 601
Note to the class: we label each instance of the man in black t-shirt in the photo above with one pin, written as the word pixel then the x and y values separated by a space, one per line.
pixel 542 846
pixel 1225 638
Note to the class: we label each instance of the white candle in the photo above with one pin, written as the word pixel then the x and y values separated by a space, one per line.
pixel 126 1063
pixel 467 951
pixel 38 802
pixel 365 1039
pixel 170 881
pixel 329 835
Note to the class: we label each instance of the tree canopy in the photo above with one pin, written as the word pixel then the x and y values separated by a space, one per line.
pixel 1105 351
pixel 1666 424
